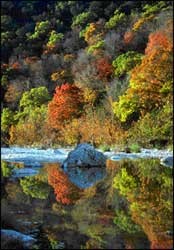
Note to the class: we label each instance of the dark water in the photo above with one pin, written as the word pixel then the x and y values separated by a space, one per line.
pixel 130 208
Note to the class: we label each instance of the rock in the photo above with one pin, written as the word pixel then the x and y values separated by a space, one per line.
pixel 168 161
pixel 11 236
pixel 86 177
pixel 84 155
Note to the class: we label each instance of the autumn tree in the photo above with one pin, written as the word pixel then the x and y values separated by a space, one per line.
pixel 151 81
pixel 104 69
pixel 66 192
pixel 66 104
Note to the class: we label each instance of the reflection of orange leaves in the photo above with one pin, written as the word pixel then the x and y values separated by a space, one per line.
pixel 66 192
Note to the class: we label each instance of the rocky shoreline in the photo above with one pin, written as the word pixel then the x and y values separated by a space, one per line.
pixel 34 157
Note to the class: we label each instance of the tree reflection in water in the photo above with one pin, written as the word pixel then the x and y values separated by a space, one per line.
pixel 147 187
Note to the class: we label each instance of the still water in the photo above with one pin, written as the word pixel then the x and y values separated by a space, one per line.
pixel 128 207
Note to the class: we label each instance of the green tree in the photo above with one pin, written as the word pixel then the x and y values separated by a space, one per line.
pixel 34 98
pixel 41 28
pixel 125 62
pixel 54 38
pixel 118 18
pixel 7 119
pixel 81 19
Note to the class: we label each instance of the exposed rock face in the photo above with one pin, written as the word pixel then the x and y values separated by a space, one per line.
pixel 84 155
pixel 12 235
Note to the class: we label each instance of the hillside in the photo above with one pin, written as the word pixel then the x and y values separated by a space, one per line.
pixel 87 71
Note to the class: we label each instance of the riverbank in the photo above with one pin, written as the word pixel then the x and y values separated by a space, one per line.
pixel 35 156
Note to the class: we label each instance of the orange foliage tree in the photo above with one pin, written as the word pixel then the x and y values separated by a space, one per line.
pixel 158 41
pixel 66 104
pixel 66 192
pixel 152 80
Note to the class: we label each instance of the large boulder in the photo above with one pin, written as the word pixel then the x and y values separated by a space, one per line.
pixel 84 155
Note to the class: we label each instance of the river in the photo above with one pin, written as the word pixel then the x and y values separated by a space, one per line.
pixel 128 205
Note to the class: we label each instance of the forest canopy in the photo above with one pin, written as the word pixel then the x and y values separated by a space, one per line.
pixel 77 71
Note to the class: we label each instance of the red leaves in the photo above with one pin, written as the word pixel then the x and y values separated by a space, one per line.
pixel 66 104
pixel 66 192
pixel 104 69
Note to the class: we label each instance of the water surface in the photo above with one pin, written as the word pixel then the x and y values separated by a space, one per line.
pixel 128 206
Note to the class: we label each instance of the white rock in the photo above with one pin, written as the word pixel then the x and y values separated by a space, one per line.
pixel 84 155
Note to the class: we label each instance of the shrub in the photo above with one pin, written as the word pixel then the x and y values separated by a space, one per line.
pixel 135 148
pixel 154 128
